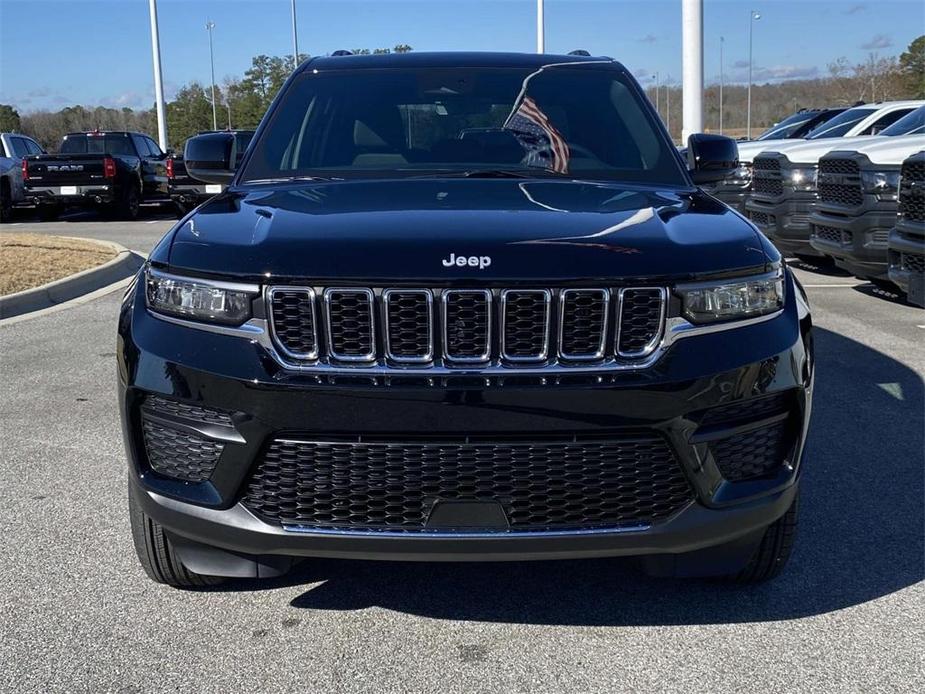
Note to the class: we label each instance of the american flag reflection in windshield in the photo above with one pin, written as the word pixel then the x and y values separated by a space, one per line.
pixel 545 146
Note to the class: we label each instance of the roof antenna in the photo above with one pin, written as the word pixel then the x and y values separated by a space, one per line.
pixel 341 52
pixel 580 51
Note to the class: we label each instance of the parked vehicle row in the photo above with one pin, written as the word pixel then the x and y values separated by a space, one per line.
pixel 113 172
pixel 866 120
pixel 834 199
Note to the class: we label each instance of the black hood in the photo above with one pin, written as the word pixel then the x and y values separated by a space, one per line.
pixel 406 229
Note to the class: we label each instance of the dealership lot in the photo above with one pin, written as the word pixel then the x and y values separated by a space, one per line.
pixel 78 614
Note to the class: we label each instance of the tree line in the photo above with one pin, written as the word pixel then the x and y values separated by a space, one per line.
pixel 241 102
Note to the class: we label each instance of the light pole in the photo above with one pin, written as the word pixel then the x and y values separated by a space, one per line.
pixel 753 16
pixel 668 105
pixel 295 40
pixel 158 81
pixel 721 80
pixel 691 68
pixel 540 28
pixel 657 110
pixel 209 27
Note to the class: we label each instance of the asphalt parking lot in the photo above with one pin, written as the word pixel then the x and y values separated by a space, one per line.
pixel 78 614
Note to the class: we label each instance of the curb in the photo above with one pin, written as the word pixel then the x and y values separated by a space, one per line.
pixel 125 264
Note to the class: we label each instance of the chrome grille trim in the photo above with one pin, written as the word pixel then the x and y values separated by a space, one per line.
pixel 543 354
pixel 310 294
pixel 368 356
pixel 656 340
pixel 588 356
pixel 485 355
pixel 428 356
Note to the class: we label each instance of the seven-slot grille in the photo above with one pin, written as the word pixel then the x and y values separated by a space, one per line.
pixel 559 484
pixel 422 326
pixel 766 177
pixel 912 189
pixel 845 190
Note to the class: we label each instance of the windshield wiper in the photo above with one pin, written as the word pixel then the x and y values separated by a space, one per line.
pixel 530 172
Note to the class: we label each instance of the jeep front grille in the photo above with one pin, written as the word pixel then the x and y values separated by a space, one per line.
pixel 465 327
pixel 846 190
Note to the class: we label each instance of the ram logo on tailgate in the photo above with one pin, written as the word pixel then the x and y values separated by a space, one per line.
pixel 65 167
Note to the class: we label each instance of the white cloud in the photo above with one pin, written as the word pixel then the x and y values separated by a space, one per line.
pixel 878 41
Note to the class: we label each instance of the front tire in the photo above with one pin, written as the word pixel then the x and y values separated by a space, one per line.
pixel 6 201
pixel 157 556
pixel 773 552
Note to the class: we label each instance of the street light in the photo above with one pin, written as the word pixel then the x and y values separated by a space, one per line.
pixel 158 81
pixel 209 27
pixel 753 16
pixel 657 109
pixel 721 80
pixel 295 40
pixel 540 28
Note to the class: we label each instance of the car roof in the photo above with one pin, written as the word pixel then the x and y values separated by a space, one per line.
pixel 446 59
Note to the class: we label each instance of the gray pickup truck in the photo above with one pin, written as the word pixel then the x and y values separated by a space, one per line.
pixel 13 147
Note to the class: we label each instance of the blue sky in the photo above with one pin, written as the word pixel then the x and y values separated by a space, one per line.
pixel 59 52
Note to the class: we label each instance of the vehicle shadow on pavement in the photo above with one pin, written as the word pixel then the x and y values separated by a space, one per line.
pixel 860 534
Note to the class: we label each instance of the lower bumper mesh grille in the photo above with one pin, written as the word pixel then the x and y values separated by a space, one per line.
pixel 753 454
pixel 540 486
pixel 179 454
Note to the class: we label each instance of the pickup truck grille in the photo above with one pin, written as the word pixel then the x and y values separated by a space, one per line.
pixel 840 182
pixel 558 484
pixel 766 177
pixel 830 234
pixel 912 190
pixel 465 327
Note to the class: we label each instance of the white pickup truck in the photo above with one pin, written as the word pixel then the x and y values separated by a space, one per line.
pixel 865 120
pixel 783 186
pixel 13 147
pixel 857 204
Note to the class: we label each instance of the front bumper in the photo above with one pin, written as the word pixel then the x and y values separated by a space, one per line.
pixel 860 245
pixel 785 221
pixel 906 254
pixel 231 373
pixel 82 195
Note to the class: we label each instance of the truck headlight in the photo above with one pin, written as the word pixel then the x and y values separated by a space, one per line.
pixel 884 183
pixel 741 177
pixel 227 303
pixel 732 299
pixel 803 178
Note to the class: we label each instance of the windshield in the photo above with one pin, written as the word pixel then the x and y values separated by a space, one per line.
pixel 558 121
pixel 97 144
pixel 840 124
pixel 910 124
pixel 788 127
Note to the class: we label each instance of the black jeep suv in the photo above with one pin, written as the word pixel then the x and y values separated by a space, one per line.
pixel 463 307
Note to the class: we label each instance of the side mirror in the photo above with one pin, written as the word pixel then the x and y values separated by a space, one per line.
pixel 711 158
pixel 211 158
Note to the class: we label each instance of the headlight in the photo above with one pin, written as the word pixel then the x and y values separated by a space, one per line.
pixel 803 178
pixel 732 299
pixel 203 300
pixel 880 182
pixel 741 177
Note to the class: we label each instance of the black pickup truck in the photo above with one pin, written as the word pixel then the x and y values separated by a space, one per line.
pixel 113 171
pixel 456 307
pixel 185 191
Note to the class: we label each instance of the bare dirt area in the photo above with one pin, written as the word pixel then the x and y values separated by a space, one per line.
pixel 30 260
